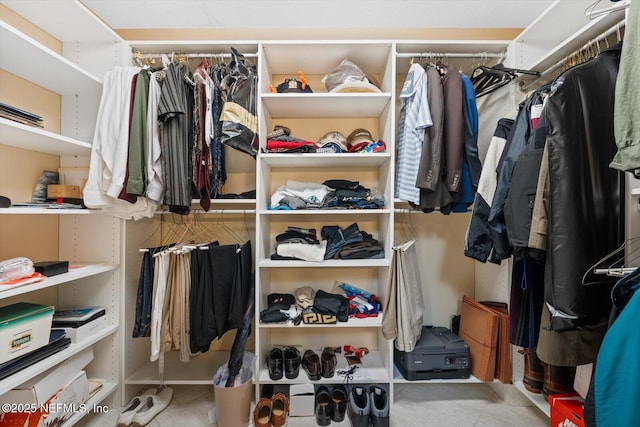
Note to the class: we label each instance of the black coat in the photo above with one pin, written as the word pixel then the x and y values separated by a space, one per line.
pixel 586 220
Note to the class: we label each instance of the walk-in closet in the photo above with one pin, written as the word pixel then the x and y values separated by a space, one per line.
pixel 318 213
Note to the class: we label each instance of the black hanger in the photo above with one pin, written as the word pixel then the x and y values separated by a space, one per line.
pixel 487 79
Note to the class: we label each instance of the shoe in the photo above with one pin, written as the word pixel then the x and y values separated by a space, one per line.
pixel 329 362
pixel 379 399
pixel 126 416
pixel 152 405
pixel 359 407
pixel 558 380
pixel 291 362
pixel 311 365
pixel 324 406
pixel 262 413
pixel 340 400
pixel 275 363
pixel 279 410
pixel 533 377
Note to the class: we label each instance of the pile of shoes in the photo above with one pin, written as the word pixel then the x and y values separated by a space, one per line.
pixel 271 411
pixel 144 407
pixel 368 407
pixel 331 405
pixel 286 361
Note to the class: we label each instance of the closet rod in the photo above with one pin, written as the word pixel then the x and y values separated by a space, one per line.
pixel 411 211
pixel 618 6
pixel 617 272
pixel 191 55
pixel 450 55
pixel 615 28
pixel 218 211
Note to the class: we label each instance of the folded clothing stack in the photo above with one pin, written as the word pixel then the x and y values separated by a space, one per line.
pixel 299 243
pixel 281 141
pixel 331 194
pixel 307 305
pixel 350 243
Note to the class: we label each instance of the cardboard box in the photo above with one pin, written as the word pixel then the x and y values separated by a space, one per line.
pixel 67 401
pixel 85 331
pixel 479 329
pixel 566 410
pixel 63 190
pixel 41 388
pixel 301 400
pixel 24 327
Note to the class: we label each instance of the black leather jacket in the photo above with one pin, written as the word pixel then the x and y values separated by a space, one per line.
pixel 586 220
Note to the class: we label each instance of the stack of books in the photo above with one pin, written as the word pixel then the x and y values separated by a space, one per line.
pixel 20 116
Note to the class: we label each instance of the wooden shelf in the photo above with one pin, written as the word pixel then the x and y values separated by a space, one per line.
pixel 399 379
pixel 47 211
pixel 75 273
pixel 318 212
pixel 105 391
pixel 371 370
pixel 325 105
pixel 297 160
pixel 327 263
pixel 32 138
pixel 51 361
pixel 199 371
pixel 537 399
pixel 29 59
pixel 321 57
pixel 367 322
pixel 55 17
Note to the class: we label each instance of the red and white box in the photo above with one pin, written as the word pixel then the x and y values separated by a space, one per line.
pixel 566 410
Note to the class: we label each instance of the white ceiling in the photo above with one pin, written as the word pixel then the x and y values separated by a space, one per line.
pixel 127 14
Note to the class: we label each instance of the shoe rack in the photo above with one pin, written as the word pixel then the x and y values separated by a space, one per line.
pixel 309 116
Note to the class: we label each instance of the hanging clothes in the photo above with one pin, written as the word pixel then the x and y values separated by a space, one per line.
pixel 176 116
pixel 616 374
pixel 404 306
pixel 431 170
pixel 627 96
pixel 415 117
pixel 109 150
pixel 478 244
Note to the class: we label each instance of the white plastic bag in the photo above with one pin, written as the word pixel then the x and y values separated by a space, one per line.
pixel 15 268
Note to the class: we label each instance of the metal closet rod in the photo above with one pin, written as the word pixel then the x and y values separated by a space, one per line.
pixel 450 55
pixel 615 28
pixel 218 211
pixel 191 55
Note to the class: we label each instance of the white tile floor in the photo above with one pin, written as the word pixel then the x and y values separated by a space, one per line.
pixel 416 405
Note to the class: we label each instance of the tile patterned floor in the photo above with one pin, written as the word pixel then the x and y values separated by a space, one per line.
pixel 416 405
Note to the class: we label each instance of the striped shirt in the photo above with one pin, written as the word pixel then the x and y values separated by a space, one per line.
pixel 174 113
pixel 415 117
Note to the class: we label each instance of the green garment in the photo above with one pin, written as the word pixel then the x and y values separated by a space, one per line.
pixel 627 104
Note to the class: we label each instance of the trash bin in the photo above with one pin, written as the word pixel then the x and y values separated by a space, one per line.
pixel 233 404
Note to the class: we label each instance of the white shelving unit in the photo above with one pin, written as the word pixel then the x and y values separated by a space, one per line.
pixel 36 139
pixel 309 116
pixel 199 371
pixel 537 399
pixel 51 361
pixel 75 272
pixel 91 241
pixel 105 391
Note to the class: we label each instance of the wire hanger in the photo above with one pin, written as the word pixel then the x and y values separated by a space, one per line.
pixel 612 269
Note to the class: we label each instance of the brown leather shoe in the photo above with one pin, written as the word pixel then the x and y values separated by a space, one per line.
pixel 533 378
pixel 329 361
pixel 311 365
pixel 279 410
pixel 262 413
pixel 558 380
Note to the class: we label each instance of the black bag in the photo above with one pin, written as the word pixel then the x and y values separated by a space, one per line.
pixel 327 303
pixel 238 116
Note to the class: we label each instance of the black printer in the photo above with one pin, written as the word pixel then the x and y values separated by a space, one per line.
pixel 439 353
